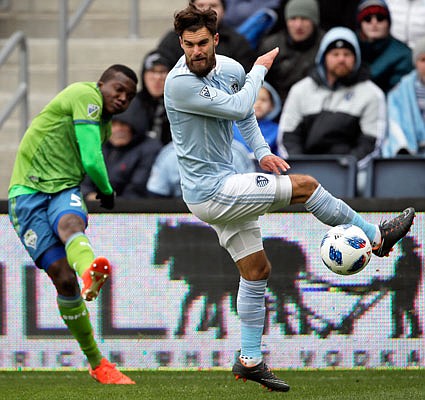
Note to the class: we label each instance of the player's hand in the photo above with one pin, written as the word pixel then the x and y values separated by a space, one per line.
pixel 274 164
pixel 106 200
pixel 267 59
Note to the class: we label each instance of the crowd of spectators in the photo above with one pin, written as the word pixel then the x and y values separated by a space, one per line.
pixel 349 79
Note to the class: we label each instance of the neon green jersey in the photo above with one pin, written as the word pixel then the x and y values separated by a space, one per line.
pixel 63 143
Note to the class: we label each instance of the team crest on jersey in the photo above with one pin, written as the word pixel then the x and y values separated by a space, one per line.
pixel 262 181
pixel 234 87
pixel 93 111
pixel 30 239
pixel 208 93
pixel 349 95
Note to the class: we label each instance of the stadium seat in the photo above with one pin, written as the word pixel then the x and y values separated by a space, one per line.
pixel 337 174
pixel 399 177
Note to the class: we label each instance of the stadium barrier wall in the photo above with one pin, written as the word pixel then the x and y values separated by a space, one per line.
pixel 171 299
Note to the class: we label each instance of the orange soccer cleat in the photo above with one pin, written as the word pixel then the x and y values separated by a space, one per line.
pixel 94 278
pixel 107 374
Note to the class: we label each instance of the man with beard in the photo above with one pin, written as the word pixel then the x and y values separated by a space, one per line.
pixel 204 94
pixel 337 109
pixel 232 43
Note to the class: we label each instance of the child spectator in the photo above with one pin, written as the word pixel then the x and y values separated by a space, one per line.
pixel 267 107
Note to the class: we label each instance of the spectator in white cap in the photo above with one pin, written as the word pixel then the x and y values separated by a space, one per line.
pixel 406 110
pixel 388 58
pixel 298 41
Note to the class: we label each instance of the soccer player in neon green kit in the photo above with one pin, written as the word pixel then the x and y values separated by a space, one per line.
pixel 62 144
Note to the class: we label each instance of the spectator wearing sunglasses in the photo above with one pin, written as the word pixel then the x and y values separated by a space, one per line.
pixel 388 58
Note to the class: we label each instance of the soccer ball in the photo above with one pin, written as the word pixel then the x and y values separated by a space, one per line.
pixel 345 249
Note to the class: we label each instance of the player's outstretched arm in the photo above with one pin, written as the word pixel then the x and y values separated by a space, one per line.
pixel 275 164
pixel 267 59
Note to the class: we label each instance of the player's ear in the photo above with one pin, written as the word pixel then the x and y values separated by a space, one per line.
pixel 181 41
pixel 216 39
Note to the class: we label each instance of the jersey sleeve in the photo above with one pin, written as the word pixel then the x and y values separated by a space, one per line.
pixel 86 104
pixel 90 145
pixel 188 93
pixel 251 132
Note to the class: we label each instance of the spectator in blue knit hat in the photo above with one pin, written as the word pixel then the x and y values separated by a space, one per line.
pixel 406 110
pixel 298 41
pixel 337 109
pixel 388 58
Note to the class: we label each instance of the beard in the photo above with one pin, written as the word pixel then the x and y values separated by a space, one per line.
pixel 201 69
pixel 341 71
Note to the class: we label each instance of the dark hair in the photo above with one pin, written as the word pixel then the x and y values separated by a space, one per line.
pixel 109 73
pixel 192 19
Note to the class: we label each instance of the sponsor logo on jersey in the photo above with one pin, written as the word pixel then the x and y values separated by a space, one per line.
pixel 234 87
pixel 208 92
pixel 30 239
pixel 93 111
pixel 262 181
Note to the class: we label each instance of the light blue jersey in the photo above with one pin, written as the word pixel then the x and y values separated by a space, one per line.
pixel 201 111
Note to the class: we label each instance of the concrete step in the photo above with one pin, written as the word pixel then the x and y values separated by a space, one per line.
pixel 106 18
pixel 87 59
pixel 85 51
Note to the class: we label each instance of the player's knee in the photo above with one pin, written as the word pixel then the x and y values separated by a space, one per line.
pixel 68 225
pixel 260 272
pixel 303 186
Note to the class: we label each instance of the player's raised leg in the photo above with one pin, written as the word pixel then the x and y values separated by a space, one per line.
pixel 333 211
pixel 94 271
pixel 68 216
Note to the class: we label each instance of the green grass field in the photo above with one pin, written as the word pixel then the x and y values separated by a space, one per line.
pixel 181 385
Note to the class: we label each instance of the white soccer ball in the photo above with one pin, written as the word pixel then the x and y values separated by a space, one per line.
pixel 345 249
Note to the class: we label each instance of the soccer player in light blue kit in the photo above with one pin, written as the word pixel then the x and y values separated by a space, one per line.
pixel 204 94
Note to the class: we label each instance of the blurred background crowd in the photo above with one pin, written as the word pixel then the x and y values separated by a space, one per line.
pixel 349 81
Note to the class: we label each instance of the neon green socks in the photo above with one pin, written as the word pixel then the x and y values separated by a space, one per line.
pixel 76 317
pixel 79 252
